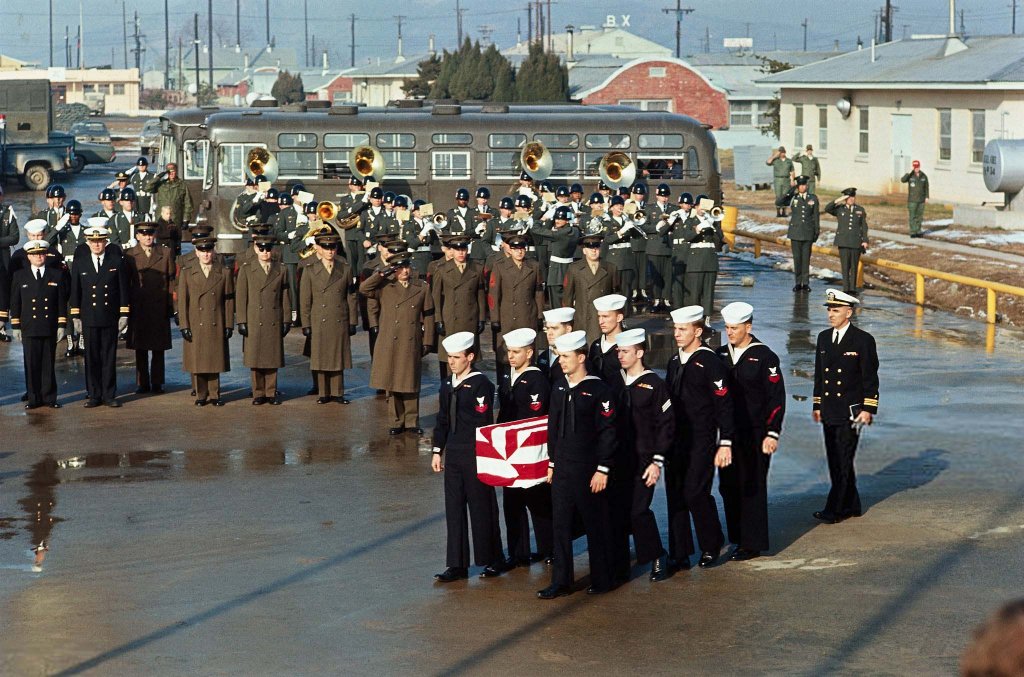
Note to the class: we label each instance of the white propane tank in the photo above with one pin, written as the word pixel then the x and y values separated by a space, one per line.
pixel 1003 165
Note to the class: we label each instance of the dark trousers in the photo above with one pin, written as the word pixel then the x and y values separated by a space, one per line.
pixel 640 261
pixel 840 448
pixel 293 286
pixel 149 371
pixel 693 499
pixel 462 490
pixel 801 260
pixel 570 493
pixel 646 537
pixel 627 280
pixel 620 504
pixel 744 490
pixel 100 363
pixel 678 283
pixel 40 380
pixel 660 279
pixel 515 503
pixel 700 290
pixel 680 536
pixel 849 258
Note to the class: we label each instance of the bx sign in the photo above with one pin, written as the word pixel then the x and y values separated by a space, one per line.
pixel 610 21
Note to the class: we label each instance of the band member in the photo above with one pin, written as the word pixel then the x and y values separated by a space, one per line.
pixel 98 306
pixel 460 219
pixel 206 314
pixel 122 223
pixel 638 245
pixel 619 232
pixel 851 235
pixel 523 393
pixel 759 404
pixel 672 228
pixel 328 317
pixel 659 250
pixel 561 237
pixel 460 304
pixel 582 445
pixel 586 280
pixel 706 239
pixel 263 312
pixel 9 233
pixel 108 203
pixel 557 322
pixel 702 404
pixel 290 234
pixel 427 234
pixel 39 303
pixel 350 205
pixel 150 281
pixel 484 217
pixel 142 182
pixel 804 228
pixel 516 295
pixel 604 360
pixel 406 336
pixel 845 400
pixel 55 196
pixel 647 429
pixel 466 403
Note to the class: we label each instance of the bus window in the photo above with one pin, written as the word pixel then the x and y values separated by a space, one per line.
pixel 452 139
pixel 591 161
pixel 195 158
pixel 449 164
pixel 398 163
pixel 336 164
pixel 558 140
pixel 503 164
pixel 682 166
pixel 506 140
pixel 396 141
pixel 565 165
pixel 297 164
pixel 296 140
pixel 661 141
pixel 168 151
pixel 607 141
pixel 345 140
pixel 231 171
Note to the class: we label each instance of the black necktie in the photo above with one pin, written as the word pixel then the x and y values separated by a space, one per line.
pixel 835 337
pixel 39 274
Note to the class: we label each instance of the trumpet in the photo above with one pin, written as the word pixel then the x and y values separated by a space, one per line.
pixel 717 214
pixel 327 211
pixel 617 170
pixel 639 218
pixel 366 161
pixel 536 161
pixel 440 220
pixel 261 161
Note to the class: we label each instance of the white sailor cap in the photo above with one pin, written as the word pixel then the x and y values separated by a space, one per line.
pixel 97 233
pixel 559 315
pixel 97 221
pixel 35 225
pixel 36 246
pixel 687 314
pixel 737 313
pixel 834 297
pixel 519 338
pixel 630 337
pixel 574 340
pixel 610 302
pixel 458 342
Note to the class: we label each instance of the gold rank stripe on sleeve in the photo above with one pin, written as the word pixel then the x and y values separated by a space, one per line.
pixel 73 312
pixel 62 320
pixel 817 400
pixel 3 314
pixel 124 310
pixel 15 321
pixel 871 401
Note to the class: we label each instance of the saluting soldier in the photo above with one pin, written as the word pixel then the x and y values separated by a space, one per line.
pixel 672 228
pixel 604 353
pixel 169 189
pixel 845 400
pixel 150 276
pixel 262 313
pixel 516 295
pixel 782 175
pixel 809 167
pixel 122 223
pixel 39 311
pixel 659 251
pixel 851 235
pixel 706 240
pixel 619 232
pixel 759 405
pixel 586 280
pixel 804 228
pixel 206 314
pixel 406 336
pixel 54 212
pixel 466 403
pixel 917 195
pixel 142 183
pixel 99 308
pixel 561 237
pixel 557 322
pixel 460 301
pixel 387 249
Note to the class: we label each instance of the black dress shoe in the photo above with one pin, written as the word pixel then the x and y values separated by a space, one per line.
pixel 54 405
pixel 743 554
pixel 534 558
pixel 395 431
pixel 491 572
pixel 256 401
pixel 549 560
pixel 342 400
pixel 452 574
pixel 659 570
pixel 32 406
pixel 323 400
pixel 217 403
pixel 807 287
pixel 596 590
pixel 158 390
pixel 201 403
pixel 113 404
pixel 679 564
pixel 553 591
pixel 92 403
pixel 192 393
pixel 707 559
pixel 513 562
pixel 826 517
pixel 418 431
pixel 798 287
pixel 24 397
pixel 274 401
pixel 142 390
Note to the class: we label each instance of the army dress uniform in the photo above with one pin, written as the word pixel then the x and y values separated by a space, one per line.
pixel 9 235
pixel 782 173
pixel 39 305
pixel 561 245
pixel 851 238
pixel 659 254
pixel 460 302
pixel 290 235
pixel 619 233
pixel 142 182
pixel 329 312
pixel 804 228
pixel 151 276
pixel 706 240
pixel 206 314
pixel 679 246
pixel 263 314
pixel 583 284
pixel 516 300
pixel 122 227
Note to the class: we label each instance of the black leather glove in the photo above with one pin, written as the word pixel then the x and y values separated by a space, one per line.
pixel 243 329
pixel 285 328
pixel 374 331
pixel 307 331
pixel 187 335
pixel 425 350
pixel 480 327
pixel 175 318
pixel 228 331
pixel 351 330
pixel 440 328
pixel 495 327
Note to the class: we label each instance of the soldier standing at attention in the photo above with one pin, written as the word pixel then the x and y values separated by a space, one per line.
pixel 466 403
pixel 706 239
pixel 809 167
pixel 263 312
pixel 845 400
pixel 141 182
pixel 206 314
pixel 406 336
pixel 638 196
pixel 673 229
pixel 557 322
pixel 603 356
pixel 151 275
pixel 460 302
pixel 851 235
pixel 917 195
pixel 516 295
pixel 782 175
pixel 759 399
pixel 659 251
pixel 588 279
pixel 804 228
pixel 618 232
pixel 122 223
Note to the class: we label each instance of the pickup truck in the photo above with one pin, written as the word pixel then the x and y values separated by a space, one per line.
pixel 36 163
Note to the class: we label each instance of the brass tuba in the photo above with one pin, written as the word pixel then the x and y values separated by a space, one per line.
pixel 536 161
pixel 617 170
pixel 366 161
pixel 327 211
pixel 261 161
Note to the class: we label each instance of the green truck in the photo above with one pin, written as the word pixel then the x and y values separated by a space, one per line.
pixel 30 148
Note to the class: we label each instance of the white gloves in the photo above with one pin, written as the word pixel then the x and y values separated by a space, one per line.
pixel 16 333
pixel 310 241
pixel 292 234
pixel 122 324
pixel 61 334
pixel 77 324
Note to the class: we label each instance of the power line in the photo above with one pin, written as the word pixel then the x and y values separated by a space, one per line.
pixel 680 11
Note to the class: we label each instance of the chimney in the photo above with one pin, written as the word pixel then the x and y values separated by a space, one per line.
pixel 569 57
pixel 325 66
pixel 835 46
pixel 400 58
pixel 430 45
pixel 245 61
pixel 952 17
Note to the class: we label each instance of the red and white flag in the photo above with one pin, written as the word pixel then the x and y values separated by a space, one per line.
pixel 513 454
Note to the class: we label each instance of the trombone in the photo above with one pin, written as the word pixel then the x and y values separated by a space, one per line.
pixel 536 160
pixel 261 161
pixel 617 170
pixel 366 161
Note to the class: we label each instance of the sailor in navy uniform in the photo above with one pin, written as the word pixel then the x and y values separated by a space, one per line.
pixel 523 392
pixel 557 322
pixel 582 445
pixel 759 404
pixel 604 359
pixel 845 400
pixel 466 403
pixel 703 408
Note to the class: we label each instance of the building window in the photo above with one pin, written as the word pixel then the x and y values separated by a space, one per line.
pixel 648 104
pixel 118 88
pixel 450 164
pixel 862 116
pixel 298 164
pixel 656 72
pixel 741 113
pixel 88 87
pixel 822 128
pixel 396 141
pixel 503 164
pixel 977 136
pixel 506 140
pixel 945 134
pixel 798 125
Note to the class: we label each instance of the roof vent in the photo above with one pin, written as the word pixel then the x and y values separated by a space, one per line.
pixel 343 110
pixel 447 109
pixel 299 107
pixel 406 103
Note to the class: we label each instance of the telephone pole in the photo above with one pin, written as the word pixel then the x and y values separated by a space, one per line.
pixel 529 23
pixel 209 40
pixel 352 44
pixel 51 33
pixel 267 6
pixel 679 11
pixel 195 46
pixel 124 33
pixel 238 23
pixel 399 18
pixel 458 24
pixel 167 47
pixel 305 28
pixel 804 24
pixel 138 44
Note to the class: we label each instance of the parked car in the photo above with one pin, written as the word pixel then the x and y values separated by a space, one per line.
pixel 91 153
pixel 149 140
pixel 90 131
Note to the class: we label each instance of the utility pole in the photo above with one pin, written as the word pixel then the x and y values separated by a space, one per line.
pixel 804 24
pixel 540 22
pixel 529 23
pixel 458 24
pixel 305 28
pixel 51 33
pixel 138 44
pixel 680 11
pixel 209 40
pixel 181 66
pixel 551 39
pixel 124 33
pixel 195 47
pixel 238 24
pixel 352 44
pixel 67 48
pixel 1013 21
pixel 399 18
pixel 887 18
pixel 267 5
pixel 707 40
pixel 963 29
pixel 167 47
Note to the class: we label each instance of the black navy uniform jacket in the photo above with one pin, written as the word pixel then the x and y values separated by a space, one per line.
pixel 526 398
pixel 581 425
pixel 99 299
pixel 647 422
pixel 463 408
pixel 758 390
pixel 604 365
pixel 39 307
pixel 845 376
pixel 547 362
pixel 700 397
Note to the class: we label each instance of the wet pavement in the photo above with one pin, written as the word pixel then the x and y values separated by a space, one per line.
pixel 301 539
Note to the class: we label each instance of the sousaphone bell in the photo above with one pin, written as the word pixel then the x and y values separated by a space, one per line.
pixel 366 161
pixel 617 170
pixel 261 161
pixel 536 160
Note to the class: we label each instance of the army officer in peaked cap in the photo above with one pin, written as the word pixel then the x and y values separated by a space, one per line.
pixel 263 312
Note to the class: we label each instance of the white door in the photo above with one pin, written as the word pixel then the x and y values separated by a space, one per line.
pixel 902 142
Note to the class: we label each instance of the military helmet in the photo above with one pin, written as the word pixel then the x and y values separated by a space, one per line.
pixel 417 204
pixel 284 198
pixel 700 197
pixel 108 194
pixel 601 185
pixel 563 213
pixel 524 201
pixel 562 191
pixel 297 188
pixel 142 162
pixel 483 192
pixel 355 181
pixel 462 194
pixel 401 202
pixel 126 195
pixel 73 207
pixel 576 188
pixel 249 181
pixel 663 190
pixel 272 193
pixel 309 207
pixel 546 187
pixel 685 199
pixel 523 176
pixel 377 193
pixel 616 200
pixel 389 198
pixel 596 199
pixel 56 190
pixel 639 189
pixel 507 203
pixel 260 178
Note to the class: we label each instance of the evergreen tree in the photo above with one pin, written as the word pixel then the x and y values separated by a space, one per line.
pixel 427 72
pixel 469 74
pixel 288 88
pixel 542 77
pixel 773 66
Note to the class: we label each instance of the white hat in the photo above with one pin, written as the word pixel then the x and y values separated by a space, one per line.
pixel 610 302
pixel 36 246
pixel 834 297
pixel 97 233
pixel 97 221
pixel 519 338
pixel 459 342
pixel 630 337
pixel 35 225
pixel 559 315
pixel 737 313
pixel 687 314
pixel 574 340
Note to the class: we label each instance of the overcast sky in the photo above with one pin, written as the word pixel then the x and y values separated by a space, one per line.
pixel 770 23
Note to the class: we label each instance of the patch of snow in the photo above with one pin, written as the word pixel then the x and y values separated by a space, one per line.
pixel 938 222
